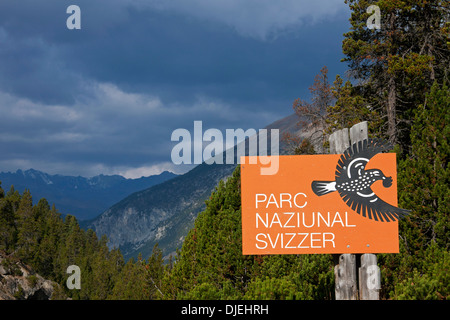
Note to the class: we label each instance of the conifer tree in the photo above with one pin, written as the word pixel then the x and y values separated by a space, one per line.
pixel 397 64
pixel 8 230
pixel 28 232
pixel 350 108
pixel 154 274
pixel 425 175
pixel 130 282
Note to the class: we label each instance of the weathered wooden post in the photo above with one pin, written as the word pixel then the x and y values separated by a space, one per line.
pixel 369 278
pixel 346 287
pixel 369 273
pixel 346 277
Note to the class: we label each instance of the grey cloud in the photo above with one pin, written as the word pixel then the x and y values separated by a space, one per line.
pixel 110 129
pixel 106 98
pixel 260 19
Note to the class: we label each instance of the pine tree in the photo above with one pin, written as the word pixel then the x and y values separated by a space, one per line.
pixel 29 233
pixel 154 274
pixel 350 108
pixel 419 270
pixel 424 177
pixel 129 284
pixel 397 64
pixel 51 229
pixel 8 230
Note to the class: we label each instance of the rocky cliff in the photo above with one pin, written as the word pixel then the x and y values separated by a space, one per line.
pixel 19 282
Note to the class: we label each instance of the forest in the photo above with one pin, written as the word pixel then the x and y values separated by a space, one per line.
pixel 399 78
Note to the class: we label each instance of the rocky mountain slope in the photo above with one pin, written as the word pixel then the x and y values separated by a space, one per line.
pixel 163 213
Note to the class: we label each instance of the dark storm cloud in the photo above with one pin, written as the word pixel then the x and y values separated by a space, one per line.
pixel 107 97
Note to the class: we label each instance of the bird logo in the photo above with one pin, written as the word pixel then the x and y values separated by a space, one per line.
pixel 353 182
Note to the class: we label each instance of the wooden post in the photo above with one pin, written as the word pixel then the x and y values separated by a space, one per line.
pixel 369 273
pixel 346 282
pixel 359 132
pixel 346 287
pixel 369 278
pixel 339 141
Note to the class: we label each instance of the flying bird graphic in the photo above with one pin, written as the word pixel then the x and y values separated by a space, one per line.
pixel 353 182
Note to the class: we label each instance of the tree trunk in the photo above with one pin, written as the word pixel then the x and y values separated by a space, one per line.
pixel 391 111
pixel 392 96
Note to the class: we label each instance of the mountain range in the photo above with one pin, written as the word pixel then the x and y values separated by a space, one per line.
pixel 165 213
pixel 84 198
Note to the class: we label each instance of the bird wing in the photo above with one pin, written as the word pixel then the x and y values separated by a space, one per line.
pixel 355 158
pixel 368 204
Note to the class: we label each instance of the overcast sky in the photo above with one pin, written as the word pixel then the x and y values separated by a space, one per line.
pixel 106 98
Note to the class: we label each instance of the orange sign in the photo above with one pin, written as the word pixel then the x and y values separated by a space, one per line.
pixel 321 204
